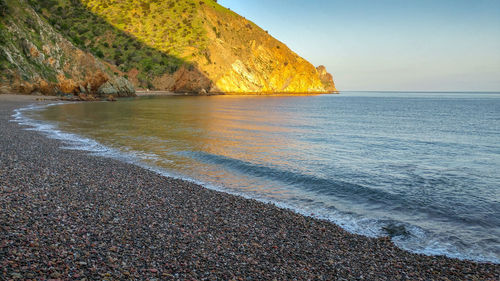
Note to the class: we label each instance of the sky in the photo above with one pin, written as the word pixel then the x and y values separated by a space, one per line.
pixel 389 45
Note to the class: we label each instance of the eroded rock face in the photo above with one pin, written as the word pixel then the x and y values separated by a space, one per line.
pixel 326 78
pixel 118 87
pixel 191 81
pixel 35 58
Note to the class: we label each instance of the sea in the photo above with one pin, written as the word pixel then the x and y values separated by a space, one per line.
pixel 420 167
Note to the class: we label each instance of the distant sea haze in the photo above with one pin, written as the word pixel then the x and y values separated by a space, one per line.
pixel 419 167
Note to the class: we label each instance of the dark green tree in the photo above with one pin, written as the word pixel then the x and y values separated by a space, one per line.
pixel 3 8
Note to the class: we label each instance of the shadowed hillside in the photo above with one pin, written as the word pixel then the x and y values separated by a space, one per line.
pixel 36 58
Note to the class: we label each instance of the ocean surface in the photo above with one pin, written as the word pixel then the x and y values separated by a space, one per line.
pixel 423 168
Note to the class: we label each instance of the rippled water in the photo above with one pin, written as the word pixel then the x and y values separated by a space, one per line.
pixel 423 168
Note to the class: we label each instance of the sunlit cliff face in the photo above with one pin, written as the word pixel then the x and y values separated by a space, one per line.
pixel 232 52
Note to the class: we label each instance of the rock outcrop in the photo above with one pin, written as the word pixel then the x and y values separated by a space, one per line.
pixel 326 78
pixel 118 87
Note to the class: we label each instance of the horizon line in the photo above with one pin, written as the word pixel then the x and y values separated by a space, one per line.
pixel 418 91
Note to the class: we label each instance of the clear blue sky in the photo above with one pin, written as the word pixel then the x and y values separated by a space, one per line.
pixel 426 45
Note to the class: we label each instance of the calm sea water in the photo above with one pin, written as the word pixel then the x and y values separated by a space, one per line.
pixel 423 168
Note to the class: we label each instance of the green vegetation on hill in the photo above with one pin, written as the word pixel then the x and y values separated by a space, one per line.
pixel 3 39
pixel 4 63
pixel 19 29
pixel 176 45
pixel 3 8
pixel 169 26
pixel 92 33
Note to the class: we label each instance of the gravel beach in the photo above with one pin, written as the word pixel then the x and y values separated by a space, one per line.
pixel 71 216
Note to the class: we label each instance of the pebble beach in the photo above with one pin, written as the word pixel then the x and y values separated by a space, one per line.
pixel 68 215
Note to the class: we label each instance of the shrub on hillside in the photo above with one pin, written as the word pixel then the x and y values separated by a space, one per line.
pixel 3 8
pixel 99 54
pixel 3 36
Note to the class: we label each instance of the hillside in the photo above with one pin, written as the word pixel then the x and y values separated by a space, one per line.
pixel 185 46
pixel 36 58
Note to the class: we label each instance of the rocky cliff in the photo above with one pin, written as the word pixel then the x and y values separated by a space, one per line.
pixel 36 58
pixel 184 46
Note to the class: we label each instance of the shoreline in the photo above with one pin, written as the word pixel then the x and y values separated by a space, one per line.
pixel 26 98
pixel 119 213
pixel 142 93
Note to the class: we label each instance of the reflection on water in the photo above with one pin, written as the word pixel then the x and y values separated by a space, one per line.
pixel 424 164
pixel 185 130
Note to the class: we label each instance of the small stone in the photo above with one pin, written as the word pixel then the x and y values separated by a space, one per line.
pixel 16 275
